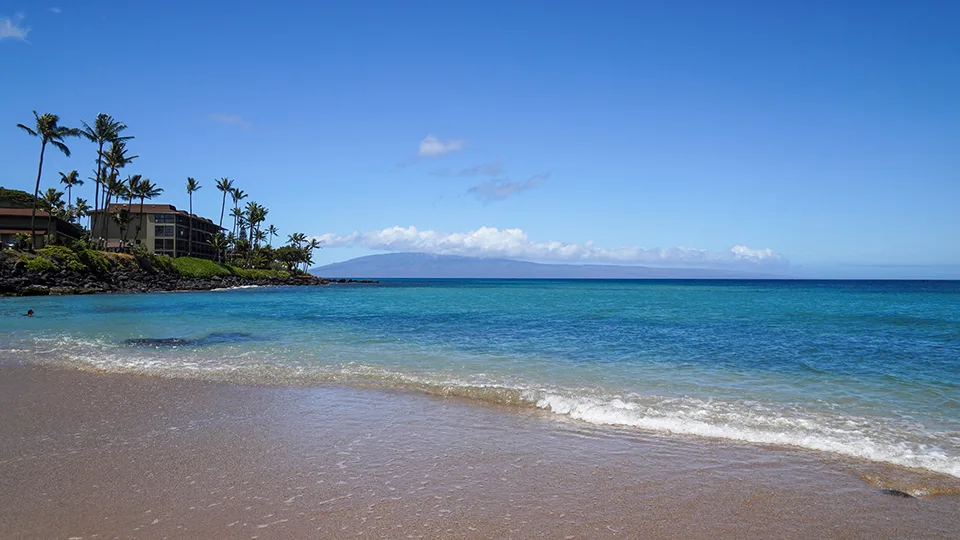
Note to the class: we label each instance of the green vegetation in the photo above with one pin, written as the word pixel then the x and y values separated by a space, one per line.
pixel 96 261
pixel 202 268
pixel 245 249
pixel 37 263
pixel 14 198
pixel 63 256
pixel 79 258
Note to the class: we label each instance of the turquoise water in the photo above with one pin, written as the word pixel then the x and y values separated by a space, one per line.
pixel 865 369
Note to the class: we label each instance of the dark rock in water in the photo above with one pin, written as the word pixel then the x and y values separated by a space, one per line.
pixel 211 339
pixel 897 493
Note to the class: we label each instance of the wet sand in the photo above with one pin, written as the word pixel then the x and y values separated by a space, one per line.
pixel 87 455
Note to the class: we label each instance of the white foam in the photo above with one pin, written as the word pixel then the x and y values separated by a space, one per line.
pixel 829 430
pixel 755 425
pixel 237 288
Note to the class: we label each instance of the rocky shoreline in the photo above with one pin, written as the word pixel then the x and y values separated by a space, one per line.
pixel 66 282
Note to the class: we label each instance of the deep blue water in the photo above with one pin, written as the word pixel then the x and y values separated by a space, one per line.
pixel 863 368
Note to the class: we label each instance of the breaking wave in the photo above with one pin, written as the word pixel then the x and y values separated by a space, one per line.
pixel 882 440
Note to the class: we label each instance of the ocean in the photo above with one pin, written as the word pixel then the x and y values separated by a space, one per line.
pixel 863 369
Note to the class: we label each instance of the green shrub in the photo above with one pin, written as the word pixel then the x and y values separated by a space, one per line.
pixel 22 240
pixel 203 268
pixel 64 256
pixel 38 264
pixel 199 268
pixel 96 261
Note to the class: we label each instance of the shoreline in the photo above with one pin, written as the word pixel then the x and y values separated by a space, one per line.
pixel 58 285
pixel 122 454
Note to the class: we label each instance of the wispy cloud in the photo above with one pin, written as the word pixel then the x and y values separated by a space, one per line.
pixel 11 27
pixel 493 168
pixel 55 10
pixel 515 244
pixel 230 120
pixel 498 190
pixel 432 146
pixel 484 169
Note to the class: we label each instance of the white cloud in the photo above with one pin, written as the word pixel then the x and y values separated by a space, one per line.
pixel 515 244
pixel 230 120
pixel 10 28
pixel 55 10
pixel 431 146
pixel 497 190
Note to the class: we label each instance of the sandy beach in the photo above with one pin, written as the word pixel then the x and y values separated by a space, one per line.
pixel 88 455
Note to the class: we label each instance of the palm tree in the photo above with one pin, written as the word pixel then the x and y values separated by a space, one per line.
pixel 237 215
pixel 296 239
pixel 238 195
pixel 52 202
pixel 105 130
pixel 192 185
pixel 122 219
pixel 219 244
pixel 256 214
pixel 115 158
pixel 70 179
pixel 314 244
pixel 81 208
pixel 132 185
pixel 145 190
pixel 225 185
pixel 272 231
pixel 49 131
pixel 259 236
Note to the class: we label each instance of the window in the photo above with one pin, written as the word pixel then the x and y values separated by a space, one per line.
pixel 162 244
pixel 163 230
pixel 163 218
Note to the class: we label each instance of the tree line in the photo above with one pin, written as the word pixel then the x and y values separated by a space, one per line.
pixel 248 242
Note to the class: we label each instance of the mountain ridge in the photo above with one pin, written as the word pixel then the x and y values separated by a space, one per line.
pixel 410 265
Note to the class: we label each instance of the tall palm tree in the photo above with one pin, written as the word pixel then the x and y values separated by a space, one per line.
pixel 272 231
pixel 237 215
pixel 70 179
pixel 81 209
pixel 115 158
pixel 192 186
pixel 145 190
pixel 105 130
pixel 50 131
pixel 225 185
pixel 238 195
pixel 314 244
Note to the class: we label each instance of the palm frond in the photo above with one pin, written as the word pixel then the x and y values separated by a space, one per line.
pixel 61 147
pixel 28 130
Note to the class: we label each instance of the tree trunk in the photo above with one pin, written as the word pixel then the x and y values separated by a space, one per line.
pixel 129 210
pixel 36 192
pixel 190 228
pixel 140 223
pixel 96 193
pixel 223 205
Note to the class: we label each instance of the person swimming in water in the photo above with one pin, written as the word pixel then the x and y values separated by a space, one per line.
pixel 29 313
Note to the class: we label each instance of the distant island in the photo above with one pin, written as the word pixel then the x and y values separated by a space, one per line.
pixel 429 266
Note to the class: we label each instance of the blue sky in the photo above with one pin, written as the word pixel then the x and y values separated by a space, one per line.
pixel 822 138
